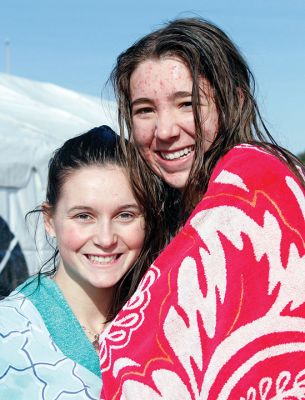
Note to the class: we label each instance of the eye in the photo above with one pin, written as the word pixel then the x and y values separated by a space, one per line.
pixel 83 217
pixel 186 104
pixel 142 111
pixel 126 216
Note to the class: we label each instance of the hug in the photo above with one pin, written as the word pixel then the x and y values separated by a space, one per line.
pixel 179 245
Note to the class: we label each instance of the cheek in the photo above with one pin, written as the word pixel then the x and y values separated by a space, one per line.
pixel 209 114
pixel 210 126
pixel 135 237
pixel 188 125
pixel 71 238
pixel 142 133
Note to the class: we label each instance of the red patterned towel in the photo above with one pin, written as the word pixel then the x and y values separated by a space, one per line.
pixel 221 313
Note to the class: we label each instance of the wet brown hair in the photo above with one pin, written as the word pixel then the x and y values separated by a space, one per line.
pixel 207 52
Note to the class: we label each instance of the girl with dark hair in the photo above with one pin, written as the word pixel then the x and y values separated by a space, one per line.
pixel 221 313
pixel 103 238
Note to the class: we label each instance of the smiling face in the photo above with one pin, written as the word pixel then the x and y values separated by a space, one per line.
pixel 162 117
pixel 98 226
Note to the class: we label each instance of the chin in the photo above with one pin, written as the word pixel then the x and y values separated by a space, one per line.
pixel 177 182
pixel 105 284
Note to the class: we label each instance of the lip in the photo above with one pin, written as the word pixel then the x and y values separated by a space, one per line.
pixel 103 259
pixel 175 163
pixel 177 154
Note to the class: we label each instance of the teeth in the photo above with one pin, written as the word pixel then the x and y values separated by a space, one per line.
pixel 176 154
pixel 100 259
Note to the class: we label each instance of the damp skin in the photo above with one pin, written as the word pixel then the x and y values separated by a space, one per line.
pixel 162 117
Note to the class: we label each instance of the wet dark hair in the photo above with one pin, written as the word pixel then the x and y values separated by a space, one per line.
pixel 101 147
pixel 209 53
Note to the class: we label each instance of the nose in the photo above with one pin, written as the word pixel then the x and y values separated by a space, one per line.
pixel 105 235
pixel 167 128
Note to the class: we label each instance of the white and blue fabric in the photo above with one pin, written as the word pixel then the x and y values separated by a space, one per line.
pixel 32 366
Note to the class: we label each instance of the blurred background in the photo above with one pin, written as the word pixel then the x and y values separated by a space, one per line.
pixel 56 57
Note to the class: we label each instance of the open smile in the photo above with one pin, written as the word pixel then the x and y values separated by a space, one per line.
pixel 176 155
pixel 98 259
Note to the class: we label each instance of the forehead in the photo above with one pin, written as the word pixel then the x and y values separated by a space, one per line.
pixel 96 180
pixel 155 74
pixel 161 78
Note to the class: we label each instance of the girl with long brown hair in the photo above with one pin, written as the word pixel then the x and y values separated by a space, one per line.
pixel 221 312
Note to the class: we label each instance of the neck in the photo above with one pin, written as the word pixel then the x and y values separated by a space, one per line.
pixel 89 304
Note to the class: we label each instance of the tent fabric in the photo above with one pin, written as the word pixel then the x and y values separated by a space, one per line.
pixel 35 119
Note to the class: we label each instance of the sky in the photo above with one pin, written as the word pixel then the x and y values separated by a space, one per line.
pixel 74 44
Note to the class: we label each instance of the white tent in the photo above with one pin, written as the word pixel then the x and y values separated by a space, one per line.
pixel 35 119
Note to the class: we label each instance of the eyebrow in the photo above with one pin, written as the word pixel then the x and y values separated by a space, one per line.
pixel 78 208
pixel 86 208
pixel 140 100
pixel 181 94
pixel 129 206
pixel 174 96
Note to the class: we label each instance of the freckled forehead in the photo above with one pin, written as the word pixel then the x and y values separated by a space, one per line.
pixel 167 73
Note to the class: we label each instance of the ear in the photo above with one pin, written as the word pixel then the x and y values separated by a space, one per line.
pixel 48 219
pixel 241 97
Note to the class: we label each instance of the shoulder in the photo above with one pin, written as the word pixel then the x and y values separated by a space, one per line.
pixel 251 179
pixel 254 158
pixel 252 168
pixel 17 313
pixel 25 342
